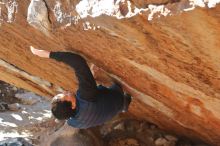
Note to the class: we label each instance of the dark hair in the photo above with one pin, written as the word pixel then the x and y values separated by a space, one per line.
pixel 62 109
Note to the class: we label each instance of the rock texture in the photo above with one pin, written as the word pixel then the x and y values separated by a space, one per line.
pixel 170 64
pixel 15 141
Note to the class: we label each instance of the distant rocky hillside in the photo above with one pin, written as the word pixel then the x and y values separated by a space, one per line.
pixel 164 52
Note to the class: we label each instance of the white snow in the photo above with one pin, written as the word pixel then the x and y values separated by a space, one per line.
pixel 161 10
pixel 203 3
pixel 12 124
pixel 17 117
pixel 5 123
pixel 95 8
pixel 5 135
pixel 58 12
pixel 199 3
pixel 62 16
pixel 213 3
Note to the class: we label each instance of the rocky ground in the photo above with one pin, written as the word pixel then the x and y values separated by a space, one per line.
pixel 31 124
pixel 20 112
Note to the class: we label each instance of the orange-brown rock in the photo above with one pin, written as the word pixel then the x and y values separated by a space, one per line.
pixel 170 65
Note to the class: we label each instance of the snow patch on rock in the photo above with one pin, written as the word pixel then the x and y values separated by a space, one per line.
pixel 63 17
pixel 161 10
pixel 11 122
pixel 204 3
pixel 58 12
pixel 5 135
pixel 94 8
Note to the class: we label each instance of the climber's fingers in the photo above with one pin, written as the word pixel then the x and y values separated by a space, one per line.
pixel 40 53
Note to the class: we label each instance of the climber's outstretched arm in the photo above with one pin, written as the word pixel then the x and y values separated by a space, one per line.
pixel 87 84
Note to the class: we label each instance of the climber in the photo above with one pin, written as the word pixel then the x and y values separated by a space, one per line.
pixel 92 105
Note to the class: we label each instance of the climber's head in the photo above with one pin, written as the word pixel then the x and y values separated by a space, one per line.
pixel 63 106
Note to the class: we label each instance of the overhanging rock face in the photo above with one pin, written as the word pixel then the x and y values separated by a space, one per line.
pixel 171 64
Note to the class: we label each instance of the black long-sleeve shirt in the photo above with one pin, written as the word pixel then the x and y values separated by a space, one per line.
pixel 87 84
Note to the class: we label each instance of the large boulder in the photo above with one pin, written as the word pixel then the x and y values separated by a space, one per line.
pixel 169 64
